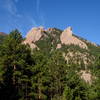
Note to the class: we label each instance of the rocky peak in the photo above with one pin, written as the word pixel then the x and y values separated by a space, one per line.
pixel 68 31
pixel 49 29
pixel 34 35
pixel 67 38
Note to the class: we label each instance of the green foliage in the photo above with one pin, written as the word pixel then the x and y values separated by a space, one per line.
pixel 49 43
pixel 57 71
pixel 43 74
pixel 73 48
pixel 67 94
pixel 14 59
pixel 2 38
pixel 45 44
pixel 39 77
pixel 94 50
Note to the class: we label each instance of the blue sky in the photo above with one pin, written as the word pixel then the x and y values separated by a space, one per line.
pixel 82 15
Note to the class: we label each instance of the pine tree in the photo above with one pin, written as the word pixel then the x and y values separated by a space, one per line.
pixel 67 94
pixel 14 59
pixel 40 76
pixel 57 71
pixel 78 86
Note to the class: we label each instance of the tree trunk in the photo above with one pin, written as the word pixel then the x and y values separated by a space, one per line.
pixel 14 68
pixel 39 89
pixel 39 92
pixel 26 91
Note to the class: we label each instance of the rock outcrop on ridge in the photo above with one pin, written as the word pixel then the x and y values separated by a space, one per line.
pixel 74 48
pixel 34 35
pixel 67 38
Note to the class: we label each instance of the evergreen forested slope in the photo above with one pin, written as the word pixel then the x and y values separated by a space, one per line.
pixel 48 73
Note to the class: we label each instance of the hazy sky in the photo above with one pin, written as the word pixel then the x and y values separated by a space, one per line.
pixel 82 15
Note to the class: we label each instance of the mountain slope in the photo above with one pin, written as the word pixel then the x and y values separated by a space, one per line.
pixel 75 49
pixel 63 37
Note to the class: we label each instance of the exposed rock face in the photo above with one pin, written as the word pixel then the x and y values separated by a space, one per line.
pixel 92 43
pixel 67 38
pixel 58 46
pixel 34 35
pixel 86 76
pixel 32 45
pixel 78 57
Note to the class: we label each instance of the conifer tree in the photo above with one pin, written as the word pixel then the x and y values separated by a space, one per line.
pixel 14 58
pixel 57 71
pixel 40 76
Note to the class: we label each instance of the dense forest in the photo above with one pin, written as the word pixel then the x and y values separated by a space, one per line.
pixel 31 74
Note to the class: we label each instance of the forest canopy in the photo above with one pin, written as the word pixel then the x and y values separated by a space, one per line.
pixel 27 74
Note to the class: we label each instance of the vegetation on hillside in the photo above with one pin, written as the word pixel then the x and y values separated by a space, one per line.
pixel 27 74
